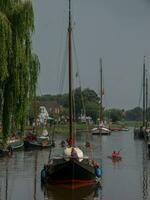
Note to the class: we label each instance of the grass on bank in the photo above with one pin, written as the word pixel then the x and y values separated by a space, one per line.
pixel 63 128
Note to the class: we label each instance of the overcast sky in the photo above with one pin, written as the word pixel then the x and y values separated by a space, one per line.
pixel 116 30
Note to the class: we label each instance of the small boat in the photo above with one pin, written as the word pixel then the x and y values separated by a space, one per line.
pixel 15 144
pixel 118 129
pixel 117 158
pixel 31 141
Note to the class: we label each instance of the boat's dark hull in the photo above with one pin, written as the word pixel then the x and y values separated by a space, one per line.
pixel 71 171
pixel 74 193
pixel 32 145
pixel 101 133
pixel 4 153
pixel 35 145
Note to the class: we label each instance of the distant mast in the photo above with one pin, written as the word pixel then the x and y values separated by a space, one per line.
pixel 101 92
pixel 144 88
pixel 146 102
pixel 70 77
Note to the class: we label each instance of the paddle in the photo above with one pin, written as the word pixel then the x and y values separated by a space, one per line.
pixel 119 151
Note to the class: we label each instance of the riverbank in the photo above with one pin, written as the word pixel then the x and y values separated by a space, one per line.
pixel 63 128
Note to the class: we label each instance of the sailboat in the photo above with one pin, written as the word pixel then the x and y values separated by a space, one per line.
pixel 142 131
pixel 101 129
pixel 72 167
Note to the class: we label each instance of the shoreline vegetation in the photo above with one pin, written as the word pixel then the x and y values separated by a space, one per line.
pixel 63 128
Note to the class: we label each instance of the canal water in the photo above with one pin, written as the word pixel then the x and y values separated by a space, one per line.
pixel 128 179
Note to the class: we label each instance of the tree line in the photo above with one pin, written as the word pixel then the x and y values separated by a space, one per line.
pixel 87 102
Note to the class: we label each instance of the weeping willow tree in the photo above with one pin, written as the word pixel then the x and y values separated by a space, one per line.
pixel 19 68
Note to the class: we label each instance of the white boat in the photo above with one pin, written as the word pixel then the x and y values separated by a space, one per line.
pixel 101 129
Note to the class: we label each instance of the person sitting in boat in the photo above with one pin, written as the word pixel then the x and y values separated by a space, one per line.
pixel 74 154
pixel 63 143
pixel 88 145
pixel 95 163
pixel 70 141
pixel 114 154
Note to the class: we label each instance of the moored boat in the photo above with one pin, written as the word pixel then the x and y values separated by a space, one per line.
pixel 72 166
pixel 15 144
pixel 37 144
pixel 31 141
pixel 101 130
pixel 118 129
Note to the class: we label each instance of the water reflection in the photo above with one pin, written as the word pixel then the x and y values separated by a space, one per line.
pixel 145 173
pixel 127 180
pixel 35 175
pixel 57 192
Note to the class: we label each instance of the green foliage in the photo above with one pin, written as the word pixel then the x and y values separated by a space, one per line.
pixel 90 95
pixel 87 97
pixel 19 68
pixel 115 114
pixel 134 114
pixel 92 110
pixel 5 38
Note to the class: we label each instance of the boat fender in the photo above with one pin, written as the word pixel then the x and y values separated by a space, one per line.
pixel 98 171
pixel 43 176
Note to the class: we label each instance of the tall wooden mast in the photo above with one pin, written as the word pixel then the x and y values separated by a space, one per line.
pixel 70 75
pixel 101 92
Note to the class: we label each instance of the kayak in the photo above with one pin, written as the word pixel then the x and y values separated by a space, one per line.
pixel 118 158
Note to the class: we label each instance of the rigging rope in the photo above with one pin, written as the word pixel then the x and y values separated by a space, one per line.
pixel 63 71
pixel 82 101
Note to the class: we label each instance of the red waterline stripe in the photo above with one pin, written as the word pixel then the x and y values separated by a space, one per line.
pixel 69 186
pixel 76 181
